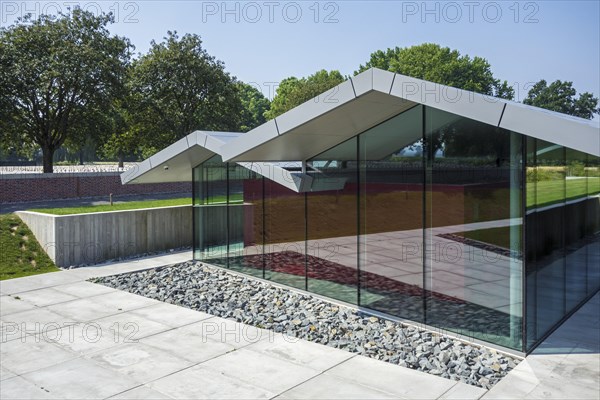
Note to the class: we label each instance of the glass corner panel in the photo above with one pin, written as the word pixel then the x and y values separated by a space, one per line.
pixel 473 236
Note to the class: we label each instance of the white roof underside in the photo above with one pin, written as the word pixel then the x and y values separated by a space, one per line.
pixel 175 163
pixel 362 102
pixel 374 96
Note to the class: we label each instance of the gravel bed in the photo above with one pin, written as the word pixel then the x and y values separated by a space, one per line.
pixel 253 302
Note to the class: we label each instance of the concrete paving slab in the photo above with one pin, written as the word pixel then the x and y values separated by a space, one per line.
pixel 11 305
pixel 131 327
pixel 195 348
pixel 171 315
pixel 301 352
pixel 35 282
pixel 36 320
pixel 261 370
pixel 5 374
pixel 330 387
pixel 80 379
pixel 228 331
pixel 556 389
pixel 83 338
pixel 560 367
pixel 139 362
pixel 205 383
pixel 18 388
pixel 141 393
pixel 463 392
pixel 100 306
pixel 84 289
pixel 386 377
pixel 32 353
pixel 45 297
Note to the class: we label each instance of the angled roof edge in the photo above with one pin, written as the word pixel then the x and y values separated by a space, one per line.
pixel 380 89
pixel 175 162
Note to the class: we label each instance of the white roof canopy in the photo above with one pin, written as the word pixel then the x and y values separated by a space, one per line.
pixel 362 102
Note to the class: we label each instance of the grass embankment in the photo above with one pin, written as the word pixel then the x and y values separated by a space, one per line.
pixel 130 205
pixel 20 253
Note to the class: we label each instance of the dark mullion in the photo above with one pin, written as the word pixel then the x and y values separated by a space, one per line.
pixel 358 221
pixel 424 155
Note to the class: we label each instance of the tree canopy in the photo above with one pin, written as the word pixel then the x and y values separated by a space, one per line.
pixel 58 75
pixel 177 87
pixel 292 91
pixel 562 97
pixel 254 106
pixel 434 63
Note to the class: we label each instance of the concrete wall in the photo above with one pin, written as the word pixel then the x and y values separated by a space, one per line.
pixel 15 188
pixel 96 237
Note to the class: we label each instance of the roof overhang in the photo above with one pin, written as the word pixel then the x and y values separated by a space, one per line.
pixel 175 163
pixel 364 101
pixel 374 96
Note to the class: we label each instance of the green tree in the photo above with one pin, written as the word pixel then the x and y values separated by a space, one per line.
pixel 57 74
pixel 177 87
pixel 292 91
pixel 562 97
pixel 254 107
pixel 434 63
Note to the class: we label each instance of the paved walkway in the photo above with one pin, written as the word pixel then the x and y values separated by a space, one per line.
pixel 63 337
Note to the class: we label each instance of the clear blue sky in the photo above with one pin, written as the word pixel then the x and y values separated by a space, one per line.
pixel 267 41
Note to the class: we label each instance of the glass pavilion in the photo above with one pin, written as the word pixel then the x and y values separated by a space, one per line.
pixel 464 213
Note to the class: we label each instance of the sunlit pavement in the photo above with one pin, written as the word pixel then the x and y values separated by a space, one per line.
pixel 63 337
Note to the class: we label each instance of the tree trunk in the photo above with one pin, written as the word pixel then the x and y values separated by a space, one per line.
pixel 47 155
pixel 81 157
pixel 121 160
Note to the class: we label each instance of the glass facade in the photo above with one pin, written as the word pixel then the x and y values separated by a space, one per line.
pixel 427 216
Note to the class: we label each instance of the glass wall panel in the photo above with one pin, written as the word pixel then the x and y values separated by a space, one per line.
pixel 548 239
pixel 284 221
pixel 473 246
pixel 332 223
pixel 210 211
pixel 245 250
pixel 575 235
pixel 391 216
pixel 530 240
pixel 593 224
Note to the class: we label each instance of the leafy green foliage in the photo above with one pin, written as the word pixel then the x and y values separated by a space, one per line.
pixel 292 91
pixel 176 88
pixel 20 252
pixel 59 77
pixel 562 97
pixel 254 106
pixel 434 63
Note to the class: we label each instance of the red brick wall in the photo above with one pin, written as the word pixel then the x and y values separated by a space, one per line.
pixel 37 187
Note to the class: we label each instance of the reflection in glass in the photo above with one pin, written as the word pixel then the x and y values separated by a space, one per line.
pixel 473 263
pixel 548 240
pixel 210 211
pixel 332 245
pixel 391 223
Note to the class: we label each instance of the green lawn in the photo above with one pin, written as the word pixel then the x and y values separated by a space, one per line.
pixel 496 236
pixel 553 191
pixel 20 252
pixel 130 205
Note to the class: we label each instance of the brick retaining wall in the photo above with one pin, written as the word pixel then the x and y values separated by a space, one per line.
pixel 16 188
